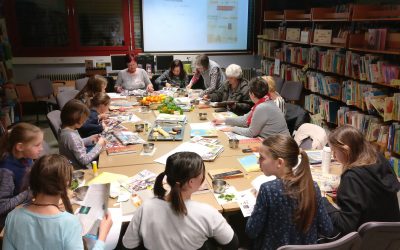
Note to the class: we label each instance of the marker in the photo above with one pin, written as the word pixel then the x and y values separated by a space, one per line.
pixel 94 166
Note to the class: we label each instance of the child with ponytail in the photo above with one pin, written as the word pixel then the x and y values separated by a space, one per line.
pixel 19 147
pixel 172 220
pixel 289 209
pixel 41 224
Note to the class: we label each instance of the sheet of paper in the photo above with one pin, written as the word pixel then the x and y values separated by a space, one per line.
pixel 184 147
pixel 116 96
pixel 246 201
pixel 113 235
pixel 259 180
pixel 229 191
pixel 106 177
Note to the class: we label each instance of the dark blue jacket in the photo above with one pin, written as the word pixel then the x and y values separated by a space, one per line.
pixel 19 167
pixel 92 126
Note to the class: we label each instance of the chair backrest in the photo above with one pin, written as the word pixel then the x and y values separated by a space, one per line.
pixel 64 96
pixel 351 241
pixel 291 90
pixel 41 88
pixel 380 235
pixel 278 84
pixel 55 121
pixel 81 83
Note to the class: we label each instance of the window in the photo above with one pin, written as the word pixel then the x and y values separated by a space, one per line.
pixel 79 27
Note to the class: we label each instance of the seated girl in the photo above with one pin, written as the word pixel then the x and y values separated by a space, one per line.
pixel 173 220
pixel 133 77
pixel 71 145
pixel 368 186
pixel 174 77
pixel 95 84
pixel 289 209
pixel 42 224
pixel 264 119
pixel 94 125
pixel 19 147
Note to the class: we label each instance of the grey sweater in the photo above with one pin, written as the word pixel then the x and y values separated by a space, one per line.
pixel 267 120
pixel 72 146
pixel 137 80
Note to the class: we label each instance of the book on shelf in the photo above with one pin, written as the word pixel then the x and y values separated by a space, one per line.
pixel 293 34
pixel 395 163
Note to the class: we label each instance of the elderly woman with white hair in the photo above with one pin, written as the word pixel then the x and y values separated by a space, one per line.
pixel 235 91
pixel 211 72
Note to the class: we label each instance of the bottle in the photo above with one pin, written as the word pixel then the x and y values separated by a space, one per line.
pixel 326 160
pixel 94 166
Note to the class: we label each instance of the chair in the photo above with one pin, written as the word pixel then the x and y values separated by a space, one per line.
pixel 351 241
pixel 278 84
pixel 380 235
pixel 42 90
pixel 54 120
pixel 81 83
pixel 64 96
pixel 291 91
pixel 295 116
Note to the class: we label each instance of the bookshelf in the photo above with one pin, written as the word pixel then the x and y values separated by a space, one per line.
pixel 354 52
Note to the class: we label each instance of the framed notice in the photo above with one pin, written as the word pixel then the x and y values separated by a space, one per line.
pixel 292 34
pixel 322 36
pixel 304 36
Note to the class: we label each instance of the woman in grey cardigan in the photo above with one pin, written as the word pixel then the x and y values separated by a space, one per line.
pixel 263 120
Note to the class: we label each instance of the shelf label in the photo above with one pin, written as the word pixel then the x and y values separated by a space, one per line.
pixel 277 65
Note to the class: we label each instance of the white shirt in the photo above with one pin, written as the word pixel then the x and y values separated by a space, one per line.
pixel 131 81
pixel 159 227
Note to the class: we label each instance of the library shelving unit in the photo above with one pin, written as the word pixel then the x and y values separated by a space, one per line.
pixel 348 60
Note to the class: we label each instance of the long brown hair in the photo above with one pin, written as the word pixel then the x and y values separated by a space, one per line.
pixel 179 169
pixel 72 113
pixel 20 133
pixel 358 152
pixel 52 175
pixel 94 85
pixel 100 99
pixel 297 181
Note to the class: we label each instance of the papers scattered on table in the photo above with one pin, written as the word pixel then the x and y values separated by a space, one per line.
pixel 250 163
pixel 106 177
pixel 116 96
pixel 224 115
pixel 246 201
pixel 171 118
pixel 128 137
pixel 126 118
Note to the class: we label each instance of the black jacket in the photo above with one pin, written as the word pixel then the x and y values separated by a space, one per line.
pixel 366 194
pixel 240 94
pixel 91 126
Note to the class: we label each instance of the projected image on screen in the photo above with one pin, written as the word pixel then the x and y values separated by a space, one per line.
pixel 201 25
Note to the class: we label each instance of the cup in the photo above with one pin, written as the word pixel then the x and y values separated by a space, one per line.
pixel 79 176
pixel 139 127
pixel 203 116
pixel 148 147
pixel 145 109
pixel 233 143
pixel 219 186
pixel 196 101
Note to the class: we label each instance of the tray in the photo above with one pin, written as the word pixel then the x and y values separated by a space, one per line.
pixel 168 128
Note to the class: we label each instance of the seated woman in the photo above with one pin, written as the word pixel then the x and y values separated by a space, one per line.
pixel 174 77
pixel 368 186
pixel 264 119
pixel 275 96
pixel 235 89
pixel 172 220
pixel 211 72
pixel 289 209
pixel 133 77
pixel 96 84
